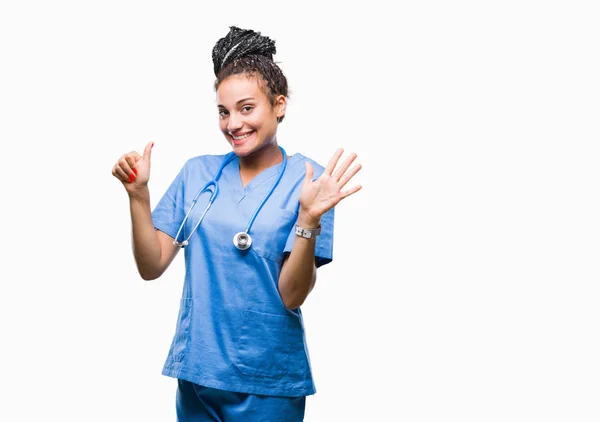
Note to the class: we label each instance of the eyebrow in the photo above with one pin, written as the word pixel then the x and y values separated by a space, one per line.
pixel 240 101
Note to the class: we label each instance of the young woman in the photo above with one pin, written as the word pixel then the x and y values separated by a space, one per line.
pixel 255 224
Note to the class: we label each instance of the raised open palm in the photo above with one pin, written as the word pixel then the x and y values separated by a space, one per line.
pixel 319 196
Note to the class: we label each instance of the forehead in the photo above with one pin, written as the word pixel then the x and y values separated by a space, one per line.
pixel 238 87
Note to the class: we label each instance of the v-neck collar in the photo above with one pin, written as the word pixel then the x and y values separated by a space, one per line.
pixel 262 177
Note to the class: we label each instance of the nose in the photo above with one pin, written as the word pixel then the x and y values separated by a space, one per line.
pixel 234 122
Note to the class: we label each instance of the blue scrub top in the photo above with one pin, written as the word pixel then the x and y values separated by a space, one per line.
pixel 233 331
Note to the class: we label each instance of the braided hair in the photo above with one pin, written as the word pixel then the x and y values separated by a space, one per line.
pixel 244 51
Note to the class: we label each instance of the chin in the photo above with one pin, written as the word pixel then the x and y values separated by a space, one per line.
pixel 243 150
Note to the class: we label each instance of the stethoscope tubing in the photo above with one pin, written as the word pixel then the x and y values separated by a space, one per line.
pixel 241 240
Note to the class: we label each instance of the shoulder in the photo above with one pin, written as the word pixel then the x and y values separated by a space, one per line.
pixel 201 164
pixel 203 160
pixel 297 163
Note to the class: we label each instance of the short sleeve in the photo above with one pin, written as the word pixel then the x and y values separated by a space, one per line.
pixel 169 213
pixel 324 245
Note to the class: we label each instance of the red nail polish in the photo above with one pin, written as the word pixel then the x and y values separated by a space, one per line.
pixel 131 177
pixel 135 171
pixel 152 145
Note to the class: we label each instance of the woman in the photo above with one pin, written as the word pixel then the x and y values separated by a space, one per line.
pixel 239 350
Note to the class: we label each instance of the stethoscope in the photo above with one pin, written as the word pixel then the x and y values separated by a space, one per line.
pixel 241 240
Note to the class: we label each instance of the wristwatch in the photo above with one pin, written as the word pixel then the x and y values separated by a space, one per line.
pixel 307 233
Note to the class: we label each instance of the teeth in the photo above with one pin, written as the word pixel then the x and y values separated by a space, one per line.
pixel 237 138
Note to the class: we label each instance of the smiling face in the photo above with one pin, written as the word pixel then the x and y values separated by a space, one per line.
pixel 246 117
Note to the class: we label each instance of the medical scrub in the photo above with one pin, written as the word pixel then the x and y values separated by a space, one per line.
pixel 233 332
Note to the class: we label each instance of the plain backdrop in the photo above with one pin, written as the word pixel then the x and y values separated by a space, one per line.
pixel 465 280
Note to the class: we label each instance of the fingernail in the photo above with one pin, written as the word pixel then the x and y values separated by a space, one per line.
pixel 131 177
pixel 135 171
pixel 152 145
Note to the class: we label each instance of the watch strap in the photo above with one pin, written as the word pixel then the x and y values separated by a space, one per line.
pixel 307 233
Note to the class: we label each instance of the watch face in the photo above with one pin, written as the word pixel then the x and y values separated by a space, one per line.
pixel 308 233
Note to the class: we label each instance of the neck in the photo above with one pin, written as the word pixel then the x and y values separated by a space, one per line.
pixel 259 160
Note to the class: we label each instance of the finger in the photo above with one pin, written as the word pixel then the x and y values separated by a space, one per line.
pixel 333 161
pixel 309 172
pixel 346 193
pixel 148 151
pixel 347 176
pixel 124 164
pixel 342 169
pixel 120 174
pixel 132 158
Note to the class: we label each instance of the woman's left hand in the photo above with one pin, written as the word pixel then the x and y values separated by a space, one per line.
pixel 318 197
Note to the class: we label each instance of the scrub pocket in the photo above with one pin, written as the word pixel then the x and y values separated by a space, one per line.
pixel 263 345
pixel 270 232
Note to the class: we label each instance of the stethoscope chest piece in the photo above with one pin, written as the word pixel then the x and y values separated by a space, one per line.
pixel 242 241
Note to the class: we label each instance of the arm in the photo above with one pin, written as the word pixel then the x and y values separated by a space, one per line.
pixel 153 250
pixel 299 272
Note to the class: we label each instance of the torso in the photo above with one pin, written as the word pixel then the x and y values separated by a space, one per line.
pixel 247 175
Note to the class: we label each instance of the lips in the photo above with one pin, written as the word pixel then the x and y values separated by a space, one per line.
pixel 241 138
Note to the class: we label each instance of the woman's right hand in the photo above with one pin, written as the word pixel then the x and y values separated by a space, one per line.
pixel 133 170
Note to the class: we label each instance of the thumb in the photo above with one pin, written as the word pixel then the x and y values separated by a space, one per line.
pixel 309 172
pixel 148 151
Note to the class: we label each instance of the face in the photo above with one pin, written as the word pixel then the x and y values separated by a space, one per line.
pixel 246 116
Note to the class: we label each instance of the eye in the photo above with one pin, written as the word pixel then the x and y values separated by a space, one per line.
pixel 248 108
pixel 222 112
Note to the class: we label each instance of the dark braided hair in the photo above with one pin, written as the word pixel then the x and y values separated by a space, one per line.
pixel 244 51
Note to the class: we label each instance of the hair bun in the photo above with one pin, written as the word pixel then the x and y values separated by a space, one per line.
pixel 238 43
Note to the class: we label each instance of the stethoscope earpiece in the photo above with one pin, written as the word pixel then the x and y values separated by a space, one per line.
pixel 242 241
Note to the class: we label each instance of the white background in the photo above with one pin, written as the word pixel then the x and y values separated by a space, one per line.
pixel 465 280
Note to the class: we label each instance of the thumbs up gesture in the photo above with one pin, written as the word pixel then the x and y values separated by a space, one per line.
pixel 133 170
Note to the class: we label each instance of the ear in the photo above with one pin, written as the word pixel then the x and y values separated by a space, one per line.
pixel 280 106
